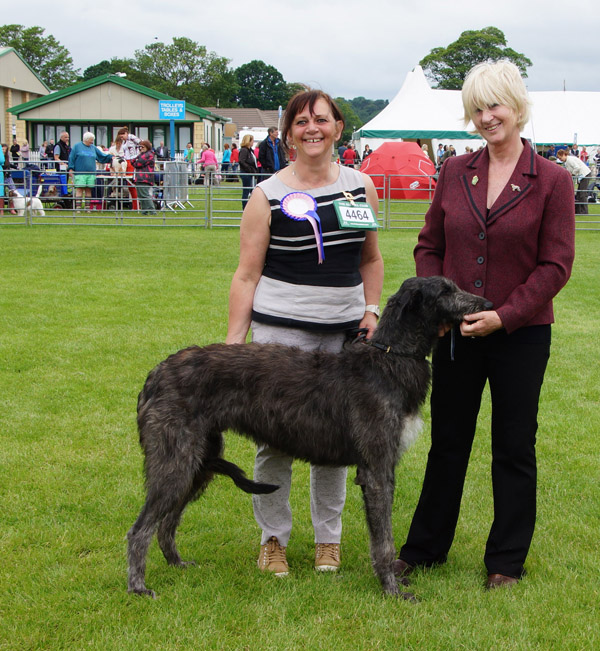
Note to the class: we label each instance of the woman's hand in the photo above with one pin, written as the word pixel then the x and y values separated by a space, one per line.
pixel 369 321
pixel 480 324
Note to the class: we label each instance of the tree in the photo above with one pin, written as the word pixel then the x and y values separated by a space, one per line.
pixel 44 54
pixel 102 68
pixel 448 66
pixel 185 70
pixel 293 88
pixel 353 122
pixel 261 86
pixel 115 65
pixel 367 108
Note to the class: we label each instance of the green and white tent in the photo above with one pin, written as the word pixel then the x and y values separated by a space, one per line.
pixel 419 111
pixel 433 116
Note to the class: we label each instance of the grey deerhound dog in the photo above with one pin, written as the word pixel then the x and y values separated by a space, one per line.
pixel 352 408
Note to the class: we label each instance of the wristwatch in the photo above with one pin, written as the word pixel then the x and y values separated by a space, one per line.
pixel 374 309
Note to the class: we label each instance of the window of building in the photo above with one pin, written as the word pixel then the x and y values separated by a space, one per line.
pixel 102 135
pixel 141 132
pixel 184 135
pixel 158 136
pixel 75 133
pixel 50 132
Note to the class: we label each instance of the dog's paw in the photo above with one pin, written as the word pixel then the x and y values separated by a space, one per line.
pixel 188 564
pixel 408 596
pixel 181 563
pixel 143 592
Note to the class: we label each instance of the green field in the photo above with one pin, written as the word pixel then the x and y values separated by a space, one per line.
pixel 85 313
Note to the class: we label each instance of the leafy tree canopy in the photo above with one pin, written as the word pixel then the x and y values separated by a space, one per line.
pixel 353 122
pixel 261 86
pixel 448 66
pixel 366 109
pixel 185 70
pixel 44 54
pixel 292 89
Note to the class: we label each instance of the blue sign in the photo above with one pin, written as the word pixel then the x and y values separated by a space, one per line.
pixel 171 109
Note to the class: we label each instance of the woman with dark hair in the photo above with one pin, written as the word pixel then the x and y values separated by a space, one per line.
pixel 144 177
pixel 501 225
pixel 305 284
pixel 131 149
pixel 235 162
pixel 225 160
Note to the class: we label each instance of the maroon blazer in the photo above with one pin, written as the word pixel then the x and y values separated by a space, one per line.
pixel 521 254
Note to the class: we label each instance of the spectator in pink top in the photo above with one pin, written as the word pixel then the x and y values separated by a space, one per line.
pixel 210 165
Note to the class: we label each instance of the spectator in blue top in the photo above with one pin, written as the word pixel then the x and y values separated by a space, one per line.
pixel 226 160
pixel 82 162
pixel 271 154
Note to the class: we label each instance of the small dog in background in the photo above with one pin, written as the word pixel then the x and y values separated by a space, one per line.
pixel 119 165
pixel 20 203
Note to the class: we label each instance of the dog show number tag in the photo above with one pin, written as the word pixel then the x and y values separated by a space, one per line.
pixel 355 214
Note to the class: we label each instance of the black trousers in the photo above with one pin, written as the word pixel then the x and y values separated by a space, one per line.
pixel 514 365
pixel 581 197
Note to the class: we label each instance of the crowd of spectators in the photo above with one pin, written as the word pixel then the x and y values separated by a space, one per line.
pixel 269 157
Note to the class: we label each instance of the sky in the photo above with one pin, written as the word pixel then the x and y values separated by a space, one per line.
pixel 348 48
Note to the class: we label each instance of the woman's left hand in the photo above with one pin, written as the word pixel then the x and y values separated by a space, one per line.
pixel 480 324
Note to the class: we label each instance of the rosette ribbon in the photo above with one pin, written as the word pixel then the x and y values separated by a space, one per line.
pixel 301 206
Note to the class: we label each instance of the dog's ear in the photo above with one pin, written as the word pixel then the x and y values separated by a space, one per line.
pixel 409 300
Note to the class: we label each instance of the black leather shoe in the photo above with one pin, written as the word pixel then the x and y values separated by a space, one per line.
pixel 500 580
pixel 401 570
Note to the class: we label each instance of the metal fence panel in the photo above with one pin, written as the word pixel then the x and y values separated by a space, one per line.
pixel 191 198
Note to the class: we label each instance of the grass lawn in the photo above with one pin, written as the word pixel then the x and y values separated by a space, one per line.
pixel 85 313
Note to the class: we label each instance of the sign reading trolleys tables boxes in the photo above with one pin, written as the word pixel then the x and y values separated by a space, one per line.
pixel 171 110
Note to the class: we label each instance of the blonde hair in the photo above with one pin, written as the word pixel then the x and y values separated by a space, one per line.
pixel 496 83
pixel 246 140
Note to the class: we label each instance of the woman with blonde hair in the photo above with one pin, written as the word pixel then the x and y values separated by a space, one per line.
pixel 501 225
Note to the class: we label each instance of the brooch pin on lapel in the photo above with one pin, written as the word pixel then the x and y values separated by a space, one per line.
pixel 515 188
pixel 475 180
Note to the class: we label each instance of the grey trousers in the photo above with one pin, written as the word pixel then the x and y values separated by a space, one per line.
pixel 327 485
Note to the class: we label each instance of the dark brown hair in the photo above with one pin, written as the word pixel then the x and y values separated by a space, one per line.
pixel 306 98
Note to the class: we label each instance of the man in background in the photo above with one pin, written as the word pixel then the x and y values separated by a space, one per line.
pixel 270 153
pixel 61 152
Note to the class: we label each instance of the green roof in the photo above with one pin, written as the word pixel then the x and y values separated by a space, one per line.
pixel 113 79
pixel 6 50
pixel 419 133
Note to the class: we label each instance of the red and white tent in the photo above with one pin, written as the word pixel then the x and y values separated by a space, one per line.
pixel 400 170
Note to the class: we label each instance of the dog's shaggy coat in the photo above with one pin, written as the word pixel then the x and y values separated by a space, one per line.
pixel 20 203
pixel 341 409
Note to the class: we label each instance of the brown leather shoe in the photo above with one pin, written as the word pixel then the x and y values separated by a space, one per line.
pixel 401 570
pixel 499 580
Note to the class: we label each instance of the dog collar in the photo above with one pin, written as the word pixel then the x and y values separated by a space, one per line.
pixel 389 349
pixel 361 337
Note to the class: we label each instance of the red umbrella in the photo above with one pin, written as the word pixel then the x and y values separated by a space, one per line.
pixel 406 168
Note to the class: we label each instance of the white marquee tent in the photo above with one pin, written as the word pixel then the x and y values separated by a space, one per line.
pixel 428 114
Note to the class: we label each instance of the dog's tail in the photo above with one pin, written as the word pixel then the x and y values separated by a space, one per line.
pixel 222 467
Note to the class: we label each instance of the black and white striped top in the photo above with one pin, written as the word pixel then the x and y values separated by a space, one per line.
pixel 294 289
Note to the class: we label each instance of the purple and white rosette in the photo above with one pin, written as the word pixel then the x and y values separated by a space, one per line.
pixel 301 206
